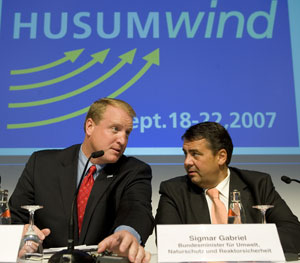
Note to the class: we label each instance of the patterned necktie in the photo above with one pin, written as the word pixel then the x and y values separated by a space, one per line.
pixel 84 193
pixel 218 209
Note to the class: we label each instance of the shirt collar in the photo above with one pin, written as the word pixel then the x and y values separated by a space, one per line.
pixel 82 159
pixel 223 187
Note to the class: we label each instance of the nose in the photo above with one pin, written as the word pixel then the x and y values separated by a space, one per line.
pixel 188 161
pixel 122 139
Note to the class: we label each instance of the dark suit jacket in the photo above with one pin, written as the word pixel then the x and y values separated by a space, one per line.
pixel 182 202
pixel 50 179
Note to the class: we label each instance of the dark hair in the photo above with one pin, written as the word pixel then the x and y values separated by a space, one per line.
pixel 214 133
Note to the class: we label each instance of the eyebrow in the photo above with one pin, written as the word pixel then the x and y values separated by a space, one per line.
pixel 190 150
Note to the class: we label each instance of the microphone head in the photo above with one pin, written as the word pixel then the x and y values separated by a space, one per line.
pixel 286 179
pixel 97 154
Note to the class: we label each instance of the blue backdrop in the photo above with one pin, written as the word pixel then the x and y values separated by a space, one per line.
pixel 176 62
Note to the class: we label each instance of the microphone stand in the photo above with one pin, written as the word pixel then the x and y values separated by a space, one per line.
pixel 295 180
pixel 288 180
pixel 70 254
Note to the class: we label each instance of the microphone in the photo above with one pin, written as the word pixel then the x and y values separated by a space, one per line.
pixel 97 154
pixel 288 180
pixel 70 254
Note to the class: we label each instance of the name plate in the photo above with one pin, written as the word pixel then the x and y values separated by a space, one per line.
pixel 10 237
pixel 232 242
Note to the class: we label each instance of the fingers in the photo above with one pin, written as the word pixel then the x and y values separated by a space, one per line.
pixel 125 244
pixel 25 228
pixel 29 247
pixel 46 232
pixel 128 245
pixel 140 256
pixel 120 242
pixel 41 233
pixel 108 243
pixel 147 257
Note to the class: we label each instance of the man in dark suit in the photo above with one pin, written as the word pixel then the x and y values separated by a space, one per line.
pixel 118 213
pixel 208 148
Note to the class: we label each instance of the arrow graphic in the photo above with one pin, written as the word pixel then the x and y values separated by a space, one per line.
pixel 49 121
pixel 125 58
pixel 151 58
pixel 70 55
pixel 97 57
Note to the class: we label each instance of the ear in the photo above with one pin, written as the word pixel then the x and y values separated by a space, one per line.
pixel 89 126
pixel 222 157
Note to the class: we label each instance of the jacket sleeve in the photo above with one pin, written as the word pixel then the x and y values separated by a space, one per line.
pixel 286 222
pixel 134 208
pixel 167 211
pixel 23 194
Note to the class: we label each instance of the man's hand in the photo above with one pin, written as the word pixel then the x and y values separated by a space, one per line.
pixel 42 234
pixel 31 246
pixel 125 244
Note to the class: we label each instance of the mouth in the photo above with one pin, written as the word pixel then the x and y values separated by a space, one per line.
pixel 192 173
pixel 117 150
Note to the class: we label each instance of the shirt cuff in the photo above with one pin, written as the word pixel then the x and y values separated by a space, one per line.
pixel 131 230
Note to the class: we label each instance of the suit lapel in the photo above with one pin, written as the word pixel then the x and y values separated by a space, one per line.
pixel 200 208
pixel 67 177
pixel 100 188
pixel 67 187
pixel 198 203
pixel 236 182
